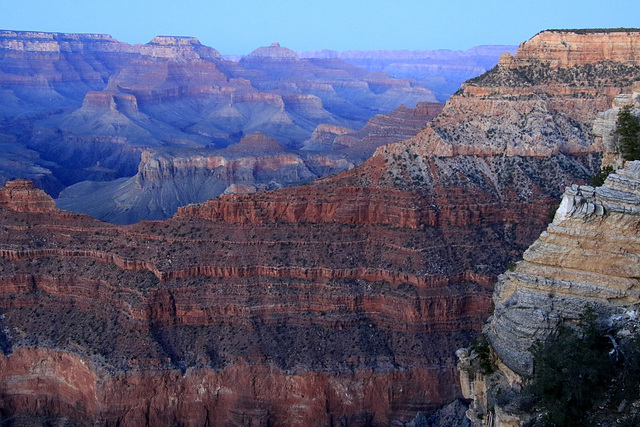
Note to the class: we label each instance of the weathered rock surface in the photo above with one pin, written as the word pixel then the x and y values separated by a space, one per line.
pixel 398 125
pixel 569 48
pixel 22 196
pixel 168 179
pixel 193 320
pixel 587 257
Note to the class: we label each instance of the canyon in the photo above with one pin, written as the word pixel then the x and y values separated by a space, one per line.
pixel 169 178
pixel 85 107
pixel 338 302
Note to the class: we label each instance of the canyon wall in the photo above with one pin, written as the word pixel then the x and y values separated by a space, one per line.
pixel 168 178
pixel 441 71
pixel 353 291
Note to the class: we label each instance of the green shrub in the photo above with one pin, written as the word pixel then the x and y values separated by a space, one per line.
pixel 571 367
pixel 482 349
pixel 598 179
pixel 628 128
pixel 581 379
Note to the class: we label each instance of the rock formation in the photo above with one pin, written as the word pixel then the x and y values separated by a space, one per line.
pixel 22 196
pixel 168 179
pixel 586 257
pixel 341 301
pixel 576 48
pixel 440 71
pixel 193 320
pixel 87 106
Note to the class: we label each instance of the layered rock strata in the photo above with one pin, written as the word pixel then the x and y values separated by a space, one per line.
pixel 194 321
pixel 440 71
pixel 569 48
pixel 586 257
pixel 353 291
pixel 90 105
pixel 170 178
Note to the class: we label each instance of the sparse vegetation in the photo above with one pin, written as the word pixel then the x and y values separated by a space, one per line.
pixel 579 369
pixel 483 350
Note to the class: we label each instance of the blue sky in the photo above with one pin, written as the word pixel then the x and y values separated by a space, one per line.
pixel 238 27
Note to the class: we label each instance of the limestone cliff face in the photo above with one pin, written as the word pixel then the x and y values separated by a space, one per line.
pixel 568 48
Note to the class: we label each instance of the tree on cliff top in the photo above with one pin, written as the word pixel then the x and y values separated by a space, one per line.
pixel 628 128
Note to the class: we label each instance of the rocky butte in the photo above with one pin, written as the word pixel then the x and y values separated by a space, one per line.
pixel 341 301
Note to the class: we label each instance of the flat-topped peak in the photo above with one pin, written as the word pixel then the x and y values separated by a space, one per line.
pixel 273 51
pixel 175 41
pixel 575 47
pixel 179 47
pixel 593 30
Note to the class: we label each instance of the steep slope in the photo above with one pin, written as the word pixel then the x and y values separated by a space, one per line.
pixel 338 302
pixel 586 258
pixel 170 178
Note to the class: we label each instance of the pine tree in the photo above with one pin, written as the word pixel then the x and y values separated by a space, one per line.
pixel 628 127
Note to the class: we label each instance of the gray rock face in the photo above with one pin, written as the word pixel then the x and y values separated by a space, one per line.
pixel 589 255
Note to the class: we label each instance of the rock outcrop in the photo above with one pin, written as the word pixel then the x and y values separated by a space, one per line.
pixel 22 196
pixel 169 179
pixel 587 257
pixel 571 48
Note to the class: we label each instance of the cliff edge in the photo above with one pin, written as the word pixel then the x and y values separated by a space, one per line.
pixel 588 257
